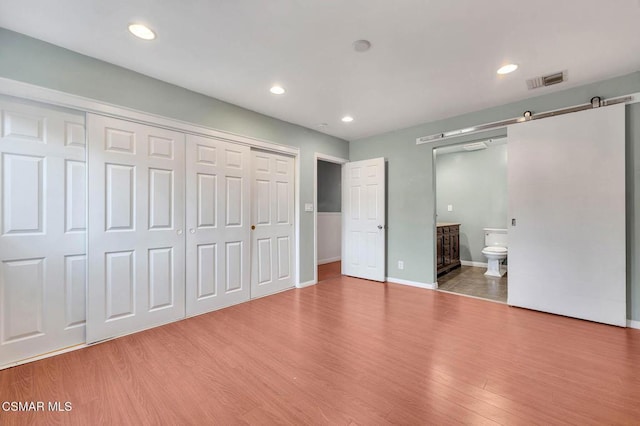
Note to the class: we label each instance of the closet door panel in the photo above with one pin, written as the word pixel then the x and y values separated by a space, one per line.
pixel 42 222
pixel 136 219
pixel 273 213
pixel 218 224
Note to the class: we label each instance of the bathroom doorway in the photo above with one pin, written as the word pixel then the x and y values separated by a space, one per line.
pixel 328 217
pixel 471 207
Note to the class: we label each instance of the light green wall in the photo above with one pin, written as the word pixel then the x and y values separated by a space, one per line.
pixel 329 187
pixel 32 61
pixel 410 191
pixel 475 184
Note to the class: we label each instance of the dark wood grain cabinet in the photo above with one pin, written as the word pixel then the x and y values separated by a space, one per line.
pixel 447 247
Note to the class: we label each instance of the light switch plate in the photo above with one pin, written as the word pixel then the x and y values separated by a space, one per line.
pixel 308 207
pixel 450 207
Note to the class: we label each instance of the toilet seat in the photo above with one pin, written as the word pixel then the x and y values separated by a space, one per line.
pixel 495 250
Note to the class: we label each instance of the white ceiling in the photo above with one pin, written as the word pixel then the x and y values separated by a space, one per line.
pixel 429 59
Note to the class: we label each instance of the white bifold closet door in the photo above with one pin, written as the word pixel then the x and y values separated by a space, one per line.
pixel 43 220
pixel 218 215
pixel 136 227
pixel 273 218
pixel 567 215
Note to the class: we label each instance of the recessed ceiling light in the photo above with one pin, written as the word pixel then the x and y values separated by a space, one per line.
pixel 347 119
pixel 142 31
pixel 361 45
pixel 507 69
pixel 277 90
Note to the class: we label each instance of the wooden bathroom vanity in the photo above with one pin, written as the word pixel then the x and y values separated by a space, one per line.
pixel 447 246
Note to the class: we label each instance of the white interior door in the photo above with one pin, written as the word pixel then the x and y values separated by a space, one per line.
pixel 273 218
pixel 218 216
pixel 567 196
pixel 43 219
pixel 364 219
pixel 136 219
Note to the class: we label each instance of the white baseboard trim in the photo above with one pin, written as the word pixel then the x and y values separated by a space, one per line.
pixel 307 284
pixel 329 260
pixel 412 283
pixel 633 324
pixel 476 264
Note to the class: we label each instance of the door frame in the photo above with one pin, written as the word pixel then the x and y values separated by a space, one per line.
pixel 331 159
pixel 477 137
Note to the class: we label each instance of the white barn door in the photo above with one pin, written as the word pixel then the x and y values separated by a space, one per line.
pixel 136 235
pixel 43 220
pixel 567 199
pixel 218 216
pixel 272 223
pixel 364 219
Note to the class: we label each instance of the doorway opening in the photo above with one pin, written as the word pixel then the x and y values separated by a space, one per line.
pixel 328 217
pixel 471 219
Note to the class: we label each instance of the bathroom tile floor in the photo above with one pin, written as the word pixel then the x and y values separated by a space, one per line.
pixel 471 281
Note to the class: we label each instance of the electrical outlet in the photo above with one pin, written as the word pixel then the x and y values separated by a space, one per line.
pixel 450 207
pixel 400 264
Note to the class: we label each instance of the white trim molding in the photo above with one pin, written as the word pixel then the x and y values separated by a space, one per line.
pixel 307 284
pixel 412 283
pixel 476 264
pixel 633 324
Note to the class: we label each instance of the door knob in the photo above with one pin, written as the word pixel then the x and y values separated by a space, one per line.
pixel 193 231
pixel 253 227
pixel 179 231
pixel 379 226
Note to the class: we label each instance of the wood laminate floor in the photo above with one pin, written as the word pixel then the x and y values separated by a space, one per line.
pixel 345 351
pixel 329 270
pixel 471 281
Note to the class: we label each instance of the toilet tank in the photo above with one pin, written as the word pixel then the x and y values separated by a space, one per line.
pixel 495 237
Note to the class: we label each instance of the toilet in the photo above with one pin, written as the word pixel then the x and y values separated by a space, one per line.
pixel 495 240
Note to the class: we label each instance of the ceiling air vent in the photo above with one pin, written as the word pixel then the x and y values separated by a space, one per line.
pixel 547 80
pixel 475 146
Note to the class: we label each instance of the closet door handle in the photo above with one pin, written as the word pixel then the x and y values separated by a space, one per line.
pixel 191 230
pixel 179 232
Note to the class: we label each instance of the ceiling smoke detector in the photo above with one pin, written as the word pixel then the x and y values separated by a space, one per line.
pixel 361 45
pixel 547 80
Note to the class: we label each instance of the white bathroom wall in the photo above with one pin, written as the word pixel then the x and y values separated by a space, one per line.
pixel 329 237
